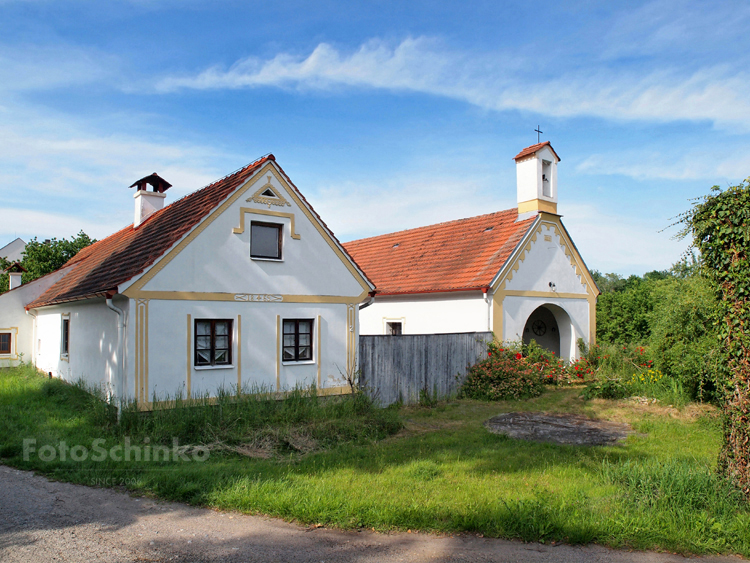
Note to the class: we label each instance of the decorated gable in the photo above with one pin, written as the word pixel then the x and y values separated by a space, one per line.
pixel 264 243
pixel 547 263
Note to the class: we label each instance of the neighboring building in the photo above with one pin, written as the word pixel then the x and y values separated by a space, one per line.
pixel 13 251
pixel 237 285
pixel 516 273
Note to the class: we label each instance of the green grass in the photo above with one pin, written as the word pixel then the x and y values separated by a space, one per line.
pixel 442 472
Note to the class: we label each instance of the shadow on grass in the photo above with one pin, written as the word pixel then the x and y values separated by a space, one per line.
pixel 455 476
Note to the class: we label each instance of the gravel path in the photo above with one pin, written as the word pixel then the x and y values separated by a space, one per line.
pixel 41 520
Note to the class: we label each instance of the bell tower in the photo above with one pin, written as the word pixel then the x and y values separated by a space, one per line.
pixel 536 179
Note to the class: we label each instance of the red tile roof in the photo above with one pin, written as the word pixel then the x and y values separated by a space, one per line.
pixel 453 256
pixel 99 269
pixel 534 148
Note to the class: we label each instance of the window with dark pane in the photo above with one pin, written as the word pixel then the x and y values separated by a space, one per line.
pixel 4 342
pixel 65 336
pixel 213 342
pixel 298 340
pixel 265 240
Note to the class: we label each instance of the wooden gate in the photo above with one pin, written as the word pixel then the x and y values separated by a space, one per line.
pixel 397 368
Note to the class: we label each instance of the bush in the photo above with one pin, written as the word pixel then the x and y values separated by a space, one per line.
pixel 683 340
pixel 503 376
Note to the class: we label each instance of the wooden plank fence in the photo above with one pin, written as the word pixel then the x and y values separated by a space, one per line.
pixel 397 368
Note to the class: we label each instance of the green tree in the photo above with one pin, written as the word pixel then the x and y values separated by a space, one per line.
pixel 683 334
pixel 43 257
pixel 719 224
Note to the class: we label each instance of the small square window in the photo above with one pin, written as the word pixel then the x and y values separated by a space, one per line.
pixel 298 340
pixel 265 240
pixel 213 342
pixel 394 328
pixel 5 342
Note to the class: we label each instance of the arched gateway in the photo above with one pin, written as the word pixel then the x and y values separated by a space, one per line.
pixel 551 327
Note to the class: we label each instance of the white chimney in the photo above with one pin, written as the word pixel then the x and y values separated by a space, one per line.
pixel 15 273
pixel 149 202
pixel 536 179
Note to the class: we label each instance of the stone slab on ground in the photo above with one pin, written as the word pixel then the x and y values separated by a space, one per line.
pixel 571 429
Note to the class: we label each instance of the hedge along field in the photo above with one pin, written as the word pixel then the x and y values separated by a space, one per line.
pixel 441 472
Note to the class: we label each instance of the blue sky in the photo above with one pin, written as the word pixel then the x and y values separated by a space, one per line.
pixel 387 115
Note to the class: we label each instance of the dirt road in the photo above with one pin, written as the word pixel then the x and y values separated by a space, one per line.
pixel 42 520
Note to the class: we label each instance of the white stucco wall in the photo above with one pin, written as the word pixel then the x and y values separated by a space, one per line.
pixel 170 349
pixel 529 177
pixel 218 260
pixel 547 262
pixel 13 317
pixel 573 324
pixel 93 345
pixel 431 313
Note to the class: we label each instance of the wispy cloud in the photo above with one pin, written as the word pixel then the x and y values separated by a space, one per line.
pixel 621 244
pixel 718 164
pixel 494 82
pixel 75 177
pixel 404 204
pixel 34 67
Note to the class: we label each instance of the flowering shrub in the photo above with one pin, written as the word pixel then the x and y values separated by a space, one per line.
pixel 647 378
pixel 502 376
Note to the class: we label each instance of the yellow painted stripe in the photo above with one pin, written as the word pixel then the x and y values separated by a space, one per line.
pixel 216 296
pixel 189 355
pixel 278 353
pixel 239 354
pixel 319 350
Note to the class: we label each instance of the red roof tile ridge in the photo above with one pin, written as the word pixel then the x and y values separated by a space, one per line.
pixel 535 148
pixel 434 225
pixel 458 255
pixel 123 255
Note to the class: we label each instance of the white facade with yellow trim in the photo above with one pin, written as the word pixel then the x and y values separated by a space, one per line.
pixel 21 326
pixel 544 290
pixel 210 276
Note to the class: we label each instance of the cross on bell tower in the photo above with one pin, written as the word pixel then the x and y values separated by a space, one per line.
pixel 538 134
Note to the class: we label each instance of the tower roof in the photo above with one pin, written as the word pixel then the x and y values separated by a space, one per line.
pixel 528 151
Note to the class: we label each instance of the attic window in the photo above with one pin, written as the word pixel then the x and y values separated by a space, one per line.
pixel 269 193
pixel 265 240
pixel 488 229
pixel 396 245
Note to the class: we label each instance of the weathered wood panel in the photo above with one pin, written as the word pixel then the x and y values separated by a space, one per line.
pixel 399 367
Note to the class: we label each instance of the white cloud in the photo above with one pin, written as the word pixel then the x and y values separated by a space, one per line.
pixel 711 165
pixel 34 67
pixel 356 210
pixel 71 177
pixel 621 244
pixel 27 223
pixel 715 94
pixel 608 243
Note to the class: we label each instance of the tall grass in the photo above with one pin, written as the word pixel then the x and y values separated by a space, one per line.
pixel 445 472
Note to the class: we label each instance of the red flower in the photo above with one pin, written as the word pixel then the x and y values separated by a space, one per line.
pixel 518 356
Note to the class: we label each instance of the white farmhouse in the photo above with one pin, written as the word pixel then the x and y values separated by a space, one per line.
pixel 237 285
pixel 516 273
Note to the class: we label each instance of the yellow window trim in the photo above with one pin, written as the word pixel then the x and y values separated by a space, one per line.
pixel 133 291
pixel 245 297
pixel 13 330
pixel 241 229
